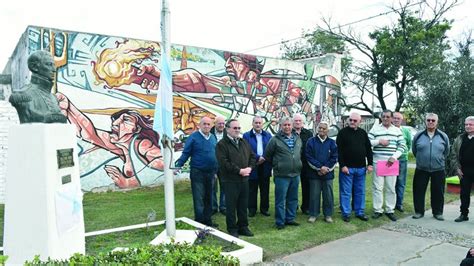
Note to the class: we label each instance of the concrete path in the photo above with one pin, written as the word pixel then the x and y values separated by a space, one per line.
pixel 425 241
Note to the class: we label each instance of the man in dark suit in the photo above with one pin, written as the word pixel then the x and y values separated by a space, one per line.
pixel 260 176
pixel 236 160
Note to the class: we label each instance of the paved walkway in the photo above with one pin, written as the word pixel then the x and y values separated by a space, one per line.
pixel 425 241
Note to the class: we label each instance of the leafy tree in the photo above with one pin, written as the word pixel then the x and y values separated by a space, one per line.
pixel 395 55
pixel 447 90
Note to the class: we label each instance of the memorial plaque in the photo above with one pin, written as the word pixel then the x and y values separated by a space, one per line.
pixel 65 158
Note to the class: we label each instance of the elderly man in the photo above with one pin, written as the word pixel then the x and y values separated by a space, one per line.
pixel 463 151
pixel 201 147
pixel 219 132
pixel 260 176
pixel 403 159
pixel 388 145
pixel 305 135
pixel 236 160
pixel 430 147
pixel 321 153
pixel 355 159
pixel 284 152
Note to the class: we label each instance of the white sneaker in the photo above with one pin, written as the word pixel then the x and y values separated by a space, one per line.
pixel 312 219
pixel 328 219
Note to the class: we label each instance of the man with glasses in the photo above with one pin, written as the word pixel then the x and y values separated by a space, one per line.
pixel 463 151
pixel 236 161
pixel 403 159
pixel 284 152
pixel 201 147
pixel 260 176
pixel 431 148
pixel 388 145
pixel 219 132
pixel 355 159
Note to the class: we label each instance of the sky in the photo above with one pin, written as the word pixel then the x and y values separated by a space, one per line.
pixel 237 25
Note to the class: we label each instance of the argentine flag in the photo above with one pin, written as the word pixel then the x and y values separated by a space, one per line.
pixel 163 120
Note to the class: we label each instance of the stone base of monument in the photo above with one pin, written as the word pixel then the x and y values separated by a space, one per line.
pixel 43 197
pixel 248 254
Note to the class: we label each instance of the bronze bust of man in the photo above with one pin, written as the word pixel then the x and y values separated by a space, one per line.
pixel 34 102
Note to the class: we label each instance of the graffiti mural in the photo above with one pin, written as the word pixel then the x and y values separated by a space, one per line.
pixel 107 87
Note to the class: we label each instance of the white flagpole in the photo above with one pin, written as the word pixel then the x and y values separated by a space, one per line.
pixel 166 140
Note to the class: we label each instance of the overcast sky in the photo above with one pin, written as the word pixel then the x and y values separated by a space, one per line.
pixel 237 25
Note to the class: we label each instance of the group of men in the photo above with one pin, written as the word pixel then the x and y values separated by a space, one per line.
pixel 243 166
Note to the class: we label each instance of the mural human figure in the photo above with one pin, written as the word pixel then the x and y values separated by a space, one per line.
pixel 243 77
pixel 131 138
pixel 34 102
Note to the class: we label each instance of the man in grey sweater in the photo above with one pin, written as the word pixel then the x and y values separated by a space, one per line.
pixel 431 148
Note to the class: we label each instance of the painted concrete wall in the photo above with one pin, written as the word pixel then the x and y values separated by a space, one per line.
pixel 107 86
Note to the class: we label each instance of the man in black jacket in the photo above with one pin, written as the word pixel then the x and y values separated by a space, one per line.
pixel 355 160
pixel 305 135
pixel 218 204
pixel 236 160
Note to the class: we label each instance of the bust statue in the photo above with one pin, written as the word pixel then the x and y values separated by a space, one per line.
pixel 34 102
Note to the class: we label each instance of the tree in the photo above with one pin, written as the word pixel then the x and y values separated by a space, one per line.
pixel 395 55
pixel 447 90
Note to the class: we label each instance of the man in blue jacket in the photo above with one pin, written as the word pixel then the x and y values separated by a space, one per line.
pixel 201 147
pixel 321 153
pixel 431 148
pixel 260 176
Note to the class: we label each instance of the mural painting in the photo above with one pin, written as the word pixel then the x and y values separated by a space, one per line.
pixel 107 88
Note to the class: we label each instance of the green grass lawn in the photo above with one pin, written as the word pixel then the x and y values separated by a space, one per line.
pixel 115 209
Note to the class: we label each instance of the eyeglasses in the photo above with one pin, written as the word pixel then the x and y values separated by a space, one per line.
pixel 235 128
pixel 386 116
pixel 430 120
pixel 352 120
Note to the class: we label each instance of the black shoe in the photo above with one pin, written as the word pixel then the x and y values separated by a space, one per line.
pixel 214 212
pixel 222 212
pixel 280 226
pixel 214 225
pixel 400 209
pixel 438 217
pixel 376 215
pixel 251 214
pixel 265 213
pixel 462 218
pixel 292 223
pixel 234 234
pixel 417 216
pixel 346 219
pixel 362 217
pixel 391 216
pixel 245 232
pixel 305 211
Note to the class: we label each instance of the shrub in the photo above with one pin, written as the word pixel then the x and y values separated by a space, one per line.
pixel 169 254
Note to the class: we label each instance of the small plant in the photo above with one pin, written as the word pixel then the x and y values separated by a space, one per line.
pixel 3 259
pixel 202 234
pixel 150 217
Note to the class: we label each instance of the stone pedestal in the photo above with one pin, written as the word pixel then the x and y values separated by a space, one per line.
pixel 43 199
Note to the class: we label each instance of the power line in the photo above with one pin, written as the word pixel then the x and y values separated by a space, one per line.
pixel 344 25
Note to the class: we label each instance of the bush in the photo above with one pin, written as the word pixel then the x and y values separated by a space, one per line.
pixel 169 254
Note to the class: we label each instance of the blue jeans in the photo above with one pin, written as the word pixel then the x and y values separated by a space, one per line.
pixel 401 182
pixel 221 206
pixel 201 186
pixel 286 199
pixel 355 179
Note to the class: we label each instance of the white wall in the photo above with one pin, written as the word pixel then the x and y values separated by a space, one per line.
pixel 8 117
